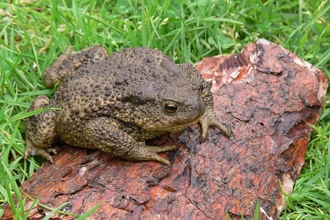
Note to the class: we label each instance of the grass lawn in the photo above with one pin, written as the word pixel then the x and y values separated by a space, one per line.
pixel 33 33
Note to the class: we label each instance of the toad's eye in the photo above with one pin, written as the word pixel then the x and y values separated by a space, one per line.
pixel 170 107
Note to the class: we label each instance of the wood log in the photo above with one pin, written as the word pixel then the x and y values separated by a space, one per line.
pixel 266 96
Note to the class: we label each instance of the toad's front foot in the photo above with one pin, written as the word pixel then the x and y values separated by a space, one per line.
pixel 209 119
pixel 144 152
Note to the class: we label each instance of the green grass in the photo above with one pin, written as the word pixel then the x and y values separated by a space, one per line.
pixel 34 33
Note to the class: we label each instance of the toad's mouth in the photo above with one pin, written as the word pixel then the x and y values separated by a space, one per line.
pixel 170 128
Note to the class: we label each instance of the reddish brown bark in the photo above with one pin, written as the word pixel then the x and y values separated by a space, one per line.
pixel 266 97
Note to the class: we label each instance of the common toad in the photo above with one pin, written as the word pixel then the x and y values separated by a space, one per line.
pixel 116 102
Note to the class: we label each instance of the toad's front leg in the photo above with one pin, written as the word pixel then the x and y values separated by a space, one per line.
pixel 105 134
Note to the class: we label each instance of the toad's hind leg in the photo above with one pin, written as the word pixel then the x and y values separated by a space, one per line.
pixel 104 133
pixel 69 61
pixel 40 130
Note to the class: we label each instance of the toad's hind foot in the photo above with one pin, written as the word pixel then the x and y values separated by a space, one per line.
pixel 45 152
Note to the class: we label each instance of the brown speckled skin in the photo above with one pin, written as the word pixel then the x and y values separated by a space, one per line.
pixel 116 102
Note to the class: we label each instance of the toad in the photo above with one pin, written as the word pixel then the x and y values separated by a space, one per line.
pixel 116 102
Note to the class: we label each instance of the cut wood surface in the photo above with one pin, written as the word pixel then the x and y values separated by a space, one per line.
pixel 267 97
